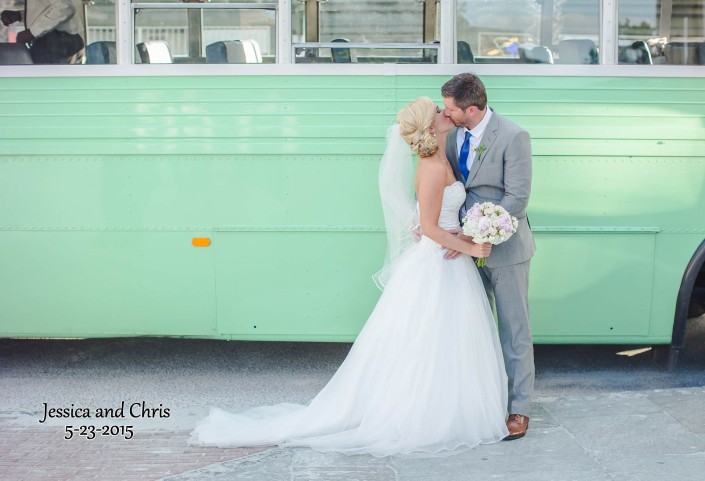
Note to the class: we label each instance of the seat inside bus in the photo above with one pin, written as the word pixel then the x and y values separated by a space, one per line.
pixel 155 51
pixel 234 51
pixel 14 54
pixel 577 51
pixel 685 53
pixel 634 53
pixel 102 52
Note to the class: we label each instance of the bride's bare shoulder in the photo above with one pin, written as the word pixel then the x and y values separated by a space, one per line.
pixel 431 167
pixel 430 172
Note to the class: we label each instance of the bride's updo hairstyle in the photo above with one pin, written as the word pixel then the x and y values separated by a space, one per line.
pixel 415 122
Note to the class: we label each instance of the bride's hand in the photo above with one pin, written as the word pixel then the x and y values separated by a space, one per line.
pixel 481 250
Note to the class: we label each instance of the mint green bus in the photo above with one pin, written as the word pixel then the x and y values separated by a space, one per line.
pixel 209 169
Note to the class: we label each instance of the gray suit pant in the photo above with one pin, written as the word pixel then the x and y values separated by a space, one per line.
pixel 507 290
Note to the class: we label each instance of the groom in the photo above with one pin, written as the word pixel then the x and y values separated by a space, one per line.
pixel 492 157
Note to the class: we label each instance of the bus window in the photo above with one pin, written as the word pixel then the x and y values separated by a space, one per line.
pixel 215 32
pixel 100 32
pixel 375 31
pixel 55 38
pixel 530 31
pixel 661 32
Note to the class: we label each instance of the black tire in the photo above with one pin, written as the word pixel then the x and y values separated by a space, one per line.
pixel 696 308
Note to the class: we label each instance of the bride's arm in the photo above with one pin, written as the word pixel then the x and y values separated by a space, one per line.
pixel 431 185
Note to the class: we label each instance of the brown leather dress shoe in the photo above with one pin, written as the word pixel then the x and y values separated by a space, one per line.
pixel 517 425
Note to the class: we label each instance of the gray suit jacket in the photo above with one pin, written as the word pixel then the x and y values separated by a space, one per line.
pixel 501 175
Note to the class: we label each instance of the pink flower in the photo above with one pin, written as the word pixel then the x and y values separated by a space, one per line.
pixel 487 222
pixel 475 211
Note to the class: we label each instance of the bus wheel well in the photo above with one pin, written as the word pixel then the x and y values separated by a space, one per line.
pixel 696 308
pixel 690 302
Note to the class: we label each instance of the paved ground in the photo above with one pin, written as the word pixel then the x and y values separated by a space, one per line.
pixel 625 436
pixel 600 413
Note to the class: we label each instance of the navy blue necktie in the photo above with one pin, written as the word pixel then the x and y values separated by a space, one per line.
pixel 464 155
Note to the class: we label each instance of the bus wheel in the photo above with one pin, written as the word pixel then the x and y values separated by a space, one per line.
pixel 690 301
pixel 665 355
pixel 697 300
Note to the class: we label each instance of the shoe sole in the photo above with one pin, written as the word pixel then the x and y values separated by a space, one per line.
pixel 512 437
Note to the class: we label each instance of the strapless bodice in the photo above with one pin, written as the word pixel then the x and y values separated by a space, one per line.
pixel 453 198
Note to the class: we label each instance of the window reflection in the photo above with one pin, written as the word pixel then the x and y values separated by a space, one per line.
pixel 367 25
pixel 100 30
pixel 43 32
pixel 658 32
pixel 372 21
pixel 662 32
pixel 204 35
pixel 204 1
pixel 530 31
pixel 60 32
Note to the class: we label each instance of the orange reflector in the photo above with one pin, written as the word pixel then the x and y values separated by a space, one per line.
pixel 200 242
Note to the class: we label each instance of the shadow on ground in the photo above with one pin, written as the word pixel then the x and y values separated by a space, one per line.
pixel 561 369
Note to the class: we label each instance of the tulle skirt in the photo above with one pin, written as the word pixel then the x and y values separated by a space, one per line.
pixel 425 375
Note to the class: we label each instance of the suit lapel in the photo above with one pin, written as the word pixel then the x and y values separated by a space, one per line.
pixel 452 154
pixel 488 138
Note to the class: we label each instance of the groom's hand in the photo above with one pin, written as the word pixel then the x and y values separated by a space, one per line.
pixel 450 253
pixel 417 233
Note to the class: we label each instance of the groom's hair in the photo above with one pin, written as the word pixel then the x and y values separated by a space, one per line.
pixel 466 89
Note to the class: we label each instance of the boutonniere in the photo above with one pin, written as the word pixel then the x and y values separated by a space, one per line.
pixel 479 150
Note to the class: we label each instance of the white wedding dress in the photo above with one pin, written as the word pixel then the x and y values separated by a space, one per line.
pixel 425 374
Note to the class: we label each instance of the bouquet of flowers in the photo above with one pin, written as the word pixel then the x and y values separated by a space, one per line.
pixel 491 223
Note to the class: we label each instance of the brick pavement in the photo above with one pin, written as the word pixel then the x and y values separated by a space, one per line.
pixel 628 436
pixel 42 453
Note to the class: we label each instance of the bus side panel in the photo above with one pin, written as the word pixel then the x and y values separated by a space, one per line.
pixel 102 196
pixel 296 285
pixel 105 197
pixel 673 253
pixel 105 283
pixel 578 281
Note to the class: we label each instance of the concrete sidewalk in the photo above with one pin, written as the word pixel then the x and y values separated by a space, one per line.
pixel 647 435
pixel 599 413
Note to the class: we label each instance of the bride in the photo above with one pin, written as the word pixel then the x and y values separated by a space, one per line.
pixel 425 374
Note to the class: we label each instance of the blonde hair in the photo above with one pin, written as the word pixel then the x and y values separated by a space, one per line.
pixel 415 121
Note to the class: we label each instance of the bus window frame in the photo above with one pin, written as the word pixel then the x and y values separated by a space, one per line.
pixel 133 7
pixel 352 69
pixel 285 61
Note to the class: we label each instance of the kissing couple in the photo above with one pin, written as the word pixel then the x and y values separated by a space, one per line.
pixel 431 371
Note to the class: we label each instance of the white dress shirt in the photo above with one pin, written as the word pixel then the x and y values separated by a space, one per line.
pixel 476 136
pixel 475 140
